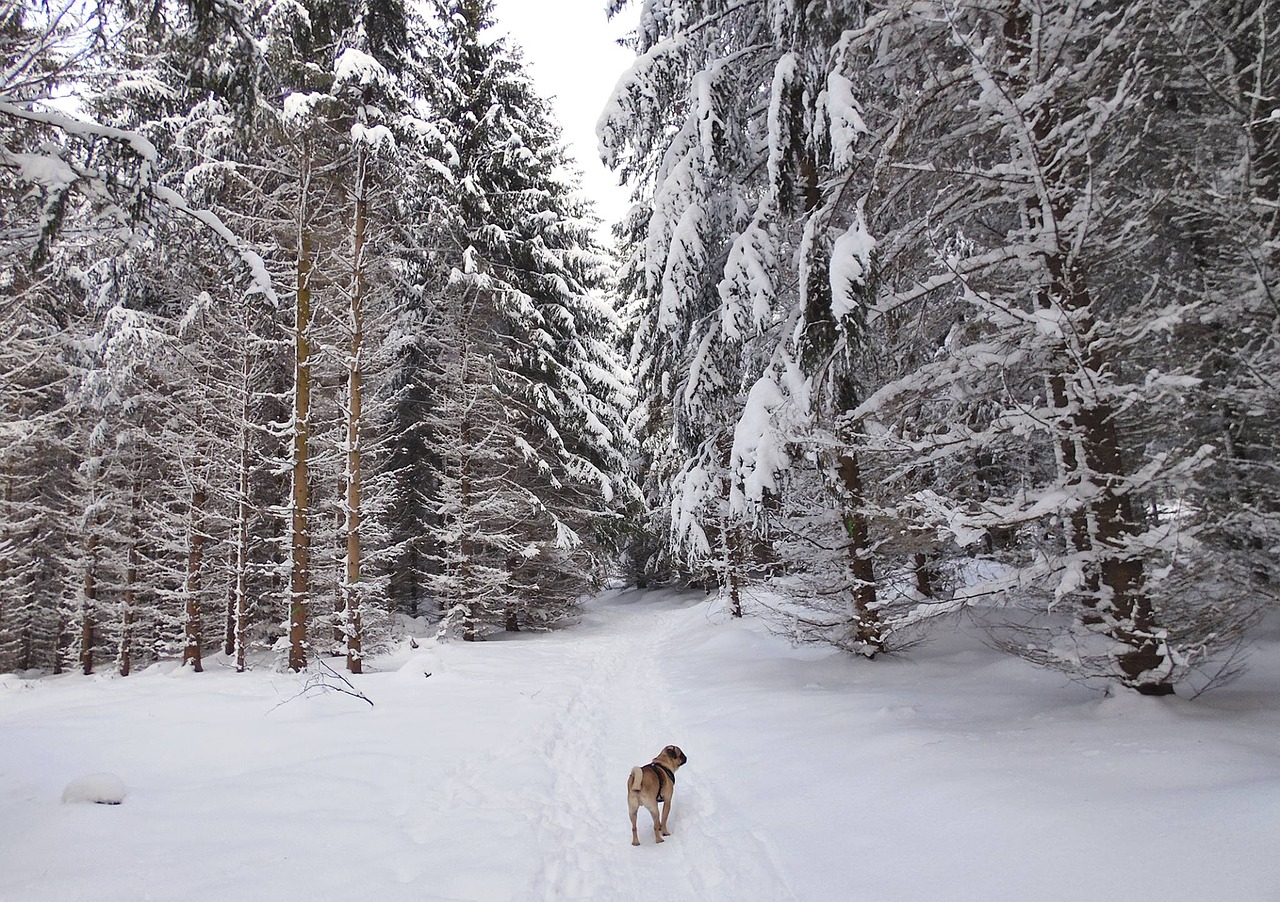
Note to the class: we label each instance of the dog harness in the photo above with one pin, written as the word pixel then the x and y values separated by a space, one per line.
pixel 660 770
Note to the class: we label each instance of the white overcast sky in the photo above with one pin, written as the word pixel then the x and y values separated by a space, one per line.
pixel 571 52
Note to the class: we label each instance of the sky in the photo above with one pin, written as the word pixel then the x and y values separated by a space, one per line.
pixel 571 52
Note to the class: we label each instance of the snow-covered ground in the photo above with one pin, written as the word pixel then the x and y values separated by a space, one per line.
pixel 951 773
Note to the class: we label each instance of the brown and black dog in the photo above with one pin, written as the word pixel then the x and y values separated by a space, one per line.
pixel 651 784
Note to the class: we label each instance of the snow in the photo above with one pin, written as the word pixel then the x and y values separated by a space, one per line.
pixel 850 265
pixel 951 773
pixel 98 789
pixel 46 169
pixel 679 278
pixel 846 119
pixel 747 290
pixel 784 73
pixel 73 125
pixel 257 267
pixel 299 106
pixel 759 451
pixel 378 137
pixel 357 67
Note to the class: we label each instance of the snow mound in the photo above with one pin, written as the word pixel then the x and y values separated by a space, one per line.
pixel 419 666
pixel 101 789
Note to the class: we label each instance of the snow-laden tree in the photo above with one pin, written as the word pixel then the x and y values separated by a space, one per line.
pixel 1061 309
pixel 537 324
pixel 1220 86
pixel 86 171
pixel 329 134
pixel 727 123
pixel 38 462
pixel 959 313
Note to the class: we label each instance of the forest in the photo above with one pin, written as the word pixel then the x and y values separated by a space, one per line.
pixel 922 308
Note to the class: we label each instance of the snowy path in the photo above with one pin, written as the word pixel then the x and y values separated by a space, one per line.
pixel 948 775
pixel 620 702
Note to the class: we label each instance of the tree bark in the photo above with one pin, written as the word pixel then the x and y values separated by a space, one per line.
pixel 867 627
pixel 731 547
pixel 1255 44
pixel 353 617
pixel 88 607
pixel 194 631
pixel 466 547
pixel 924 575
pixel 127 614
pixel 238 603
pixel 1114 600
pixel 300 536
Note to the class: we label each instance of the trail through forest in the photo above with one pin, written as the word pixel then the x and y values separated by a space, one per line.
pixel 496 772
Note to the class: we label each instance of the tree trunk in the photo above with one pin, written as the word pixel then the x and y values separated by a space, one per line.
pixel 88 607
pixel 4 543
pixel 194 631
pixel 466 546
pixel 127 614
pixel 353 618
pixel 300 536
pixel 867 627
pixel 731 547
pixel 1255 44
pixel 465 543
pixel 1114 600
pixel 229 627
pixel 238 602
pixel 924 575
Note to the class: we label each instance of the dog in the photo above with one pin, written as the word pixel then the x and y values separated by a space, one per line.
pixel 653 783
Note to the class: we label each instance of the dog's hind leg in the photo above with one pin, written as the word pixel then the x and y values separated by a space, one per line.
pixel 652 805
pixel 633 800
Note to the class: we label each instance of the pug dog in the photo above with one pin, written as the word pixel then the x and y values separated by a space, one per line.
pixel 653 783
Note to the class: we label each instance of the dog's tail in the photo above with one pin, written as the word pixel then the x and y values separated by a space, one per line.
pixel 637 777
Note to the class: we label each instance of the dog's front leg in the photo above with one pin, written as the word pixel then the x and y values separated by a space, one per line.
pixel 666 810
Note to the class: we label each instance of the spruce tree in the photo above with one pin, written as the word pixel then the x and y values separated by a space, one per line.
pixel 536 321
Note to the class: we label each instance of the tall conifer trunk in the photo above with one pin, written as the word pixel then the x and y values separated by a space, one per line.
pixel 352 615
pixel 466 544
pixel 867 628
pixel 238 601
pixel 4 542
pixel 89 603
pixel 1115 602
pixel 128 611
pixel 731 552
pixel 300 535
pixel 193 628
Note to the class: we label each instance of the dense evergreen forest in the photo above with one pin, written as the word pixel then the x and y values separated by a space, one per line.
pixel 921 308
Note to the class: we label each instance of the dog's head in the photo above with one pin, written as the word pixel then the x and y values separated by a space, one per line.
pixel 673 754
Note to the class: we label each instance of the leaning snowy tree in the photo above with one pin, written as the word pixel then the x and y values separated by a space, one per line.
pixel 1064 309
pixel 678 126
